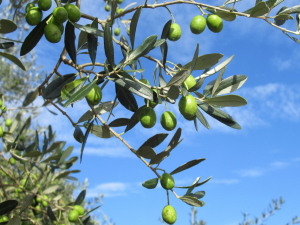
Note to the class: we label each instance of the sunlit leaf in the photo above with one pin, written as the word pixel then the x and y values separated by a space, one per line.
pixel 206 61
pixel 50 189
pixel 202 119
pixel 13 59
pixel 133 25
pixel 193 201
pixel 226 101
pixel 65 154
pixel 88 29
pixel 150 184
pixel 217 68
pixel 100 131
pixel 259 9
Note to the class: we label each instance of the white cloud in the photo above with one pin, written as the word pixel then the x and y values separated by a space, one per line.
pixel 224 181
pixel 255 172
pixel 112 189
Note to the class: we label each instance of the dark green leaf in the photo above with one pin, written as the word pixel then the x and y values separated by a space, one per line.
pixel 30 97
pixel 7 206
pixel 134 119
pixel 133 25
pixel 146 152
pixel 119 122
pixel 15 220
pixel 53 90
pixel 108 45
pixel 173 92
pixel 187 165
pixel 7 26
pixel 78 135
pixel 92 41
pixel 80 198
pixel 143 49
pixel 164 46
pixel 88 29
pixel 193 201
pixel 114 5
pixel 99 109
pixel 52 158
pixel 70 41
pixel 32 154
pixel 219 115
pixel 34 37
pixel 174 141
pixel 259 9
pixel 202 119
pixel 206 61
pixel 51 214
pixel 6 45
pixel 100 131
pixel 14 59
pixel 65 154
pixel 126 98
pixel 155 140
pixel 87 132
pixel 27 202
pixel 66 173
pixel 226 101
pixel 150 184
pixel 198 194
pixel 280 19
pixel 159 157
pixel 80 94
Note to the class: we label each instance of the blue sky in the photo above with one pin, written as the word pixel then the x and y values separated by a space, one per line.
pixel 250 167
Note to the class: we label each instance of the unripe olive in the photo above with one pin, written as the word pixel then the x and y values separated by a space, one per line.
pixel 167 181
pixel 147 117
pixel 188 107
pixel 168 120
pixel 169 214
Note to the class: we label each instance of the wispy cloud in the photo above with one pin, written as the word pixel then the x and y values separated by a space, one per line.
pixel 225 181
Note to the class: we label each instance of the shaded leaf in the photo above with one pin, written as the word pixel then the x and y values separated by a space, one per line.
pixel 34 37
pixel 99 109
pixel 164 46
pixel 7 206
pixel 187 165
pixel 78 135
pixel 82 39
pixel 80 198
pixel 202 119
pixel 126 98
pixel 27 202
pixel 30 97
pixel 65 154
pixel 259 9
pixel 87 132
pixel 7 26
pixel 70 41
pixel 15 220
pixel 193 201
pixel 53 90
pixel 159 157
pixel 92 41
pixel 100 131
pixel 32 154
pixel 219 115
pixel 173 92
pixel 206 61
pixel 119 122
pixel 13 59
pixel 198 194
pixel 155 140
pixel 88 29
pixel 146 152
pixel 66 173
pixel 134 119
pixel 133 25
pixel 217 68
pixel 51 214
pixel 108 45
pixel 6 45
pixel 226 101
pixel 150 184
pixel 174 141
pixel 51 189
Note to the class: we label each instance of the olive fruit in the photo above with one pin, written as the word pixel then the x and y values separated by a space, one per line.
pixel 169 214
pixel 60 14
pixel 74 13
pixel 34 16
pixel 168 120
pixel 73 215
pixel 94 96
pixel 119 11
pixel 12 161
pixel 147 117
pixel 117 31
pixel 44 4
pixel 188 107
pixel 79 209
pixel 150 103
pixel 52 33
pixel 145 81
pixel 120 1
pixel 167 181
pixel 107 8
pixel 29 6
pixel 3 218
pixel 214 23
pixel 198 24
pixel 8 122
pixel 189 82
pixel 45 204
pixel 1 132
pixel 174 32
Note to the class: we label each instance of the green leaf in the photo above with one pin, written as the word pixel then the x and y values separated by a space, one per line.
pixel 226 101
pixel 279 20
pixel 87 132
pixel 70 41
pixel 50 189
pixel 32 154
pixel 174 141
pixel 53 90
pixel 291 10
pixel 198 194
pixel 80 94
pixel 80 198
pixel 180 77
pixel 27 202
pixel 30 97
pixel 206 61
pixel 92 41
pixel 217 81
pixel 217 68
pixel 126 98
pixel 134 119
pixel 6 45
pixel 150 184
pixel 7 206
pixel 13 59
pixel 100 131
pixel 66 173
pixel 143 49
pixel 34 37
pixel 202 119
pixel 146 152
pixel 155 140
pixel 78 135
pixel 193 201
pixel 164 46
pixel 82 39
pixel 133 25
pixel 159 157
pixel 135 87
pixel 119 122
pixel 65 154
pixel 219 115
pixel 7 26
pixel 15 220
pixel 173 92
pixel 99 109
pixel 187 165
pixel 259 9
pixel 50 214
pixel 108 45
pixel 88 29
pixel 72 87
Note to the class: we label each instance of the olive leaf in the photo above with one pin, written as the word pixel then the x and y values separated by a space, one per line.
pixel 30 97
pixel 150 184
pixel 155 140
pixel 70 41
pixel 7 206
pixel 6 45
pixel 187 165
pixel 13 59
pixel 134 119
pixel 217 68
pixel 7 26
pixel 92 42
pixel 126 98
pixel 108 45
pixel 226 101
pixel 206 61
pixel 100 131
pixel 198 194
pixel 193 201
pixel 27 202
pixel 66 173
pixel 159 157
pixel 164 46
pixel 119 122
pixel 291 10
pixel 65 154
pixel 50 213
pixel 80 198
pixel 174 141
pixel 133 25
pixel 88 29
pixel 259 9
pixel 87 132
pixel 202 119
pixel 146 152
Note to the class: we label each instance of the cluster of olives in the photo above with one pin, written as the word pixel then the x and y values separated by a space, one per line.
pixel 54 28
pixel 197 26
pixel 119 10
pixel 94 96
pixel 75 213
pixel 3 218
pixel 187 107
pixel 7 122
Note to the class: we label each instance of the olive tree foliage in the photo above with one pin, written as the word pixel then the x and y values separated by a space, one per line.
pixel 166 86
